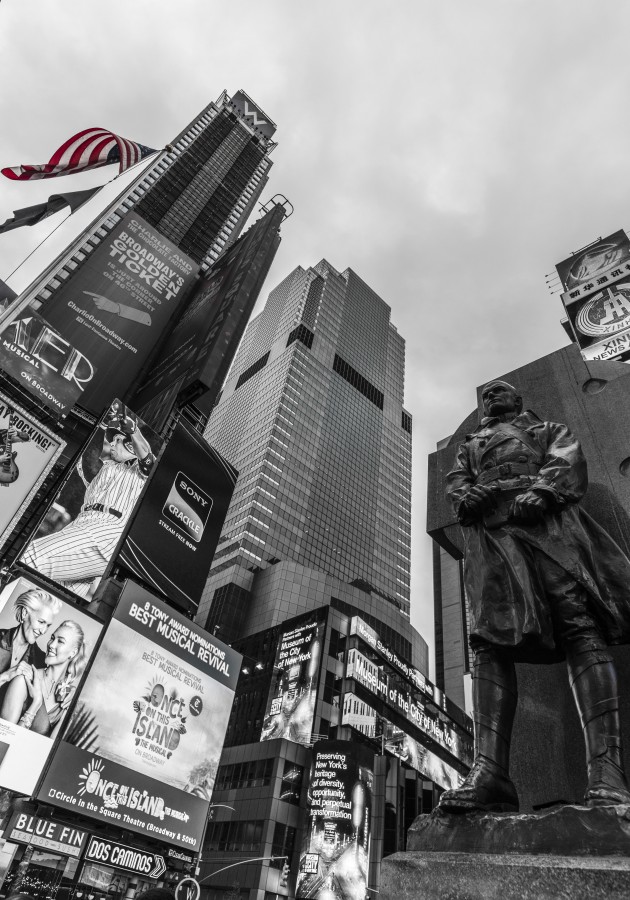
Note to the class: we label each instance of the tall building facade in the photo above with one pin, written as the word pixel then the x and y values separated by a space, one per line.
pixel 310 582
pixel 312 416
pixel 198 193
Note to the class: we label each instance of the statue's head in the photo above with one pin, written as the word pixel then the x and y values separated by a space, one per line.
pixel 499 397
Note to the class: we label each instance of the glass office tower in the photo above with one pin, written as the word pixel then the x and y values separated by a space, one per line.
pixel 312 417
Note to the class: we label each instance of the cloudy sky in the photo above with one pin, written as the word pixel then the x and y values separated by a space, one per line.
pixel 449 152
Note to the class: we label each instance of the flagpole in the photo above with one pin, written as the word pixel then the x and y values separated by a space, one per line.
pixel 24 299
pixel 35 249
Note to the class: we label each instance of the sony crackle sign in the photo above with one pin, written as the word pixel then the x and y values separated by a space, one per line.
pixel 187 507
pixel 175 530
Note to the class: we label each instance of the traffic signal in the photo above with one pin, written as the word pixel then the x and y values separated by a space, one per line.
pixel 284 877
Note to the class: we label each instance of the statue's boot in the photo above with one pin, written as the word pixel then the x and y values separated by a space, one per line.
pixel 488 786
pixel 594 684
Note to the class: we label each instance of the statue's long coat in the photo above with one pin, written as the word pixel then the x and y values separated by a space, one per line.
pixel 507 604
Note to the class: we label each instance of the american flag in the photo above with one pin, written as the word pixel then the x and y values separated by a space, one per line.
pixel 88 149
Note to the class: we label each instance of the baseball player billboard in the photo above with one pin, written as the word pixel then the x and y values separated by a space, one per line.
pixel 45 645
pixel 28 451
pixel 84 523
pixel 175 531
pixel 142 746
pixel 115 307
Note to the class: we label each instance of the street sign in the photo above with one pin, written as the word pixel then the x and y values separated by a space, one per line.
pixel 140 862
pixel 187 889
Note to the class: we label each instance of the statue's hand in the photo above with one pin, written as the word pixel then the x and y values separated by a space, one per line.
pixel 530 506
pixel 478 499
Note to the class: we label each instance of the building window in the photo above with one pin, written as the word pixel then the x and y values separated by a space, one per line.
pixel 291 784
pixel 283 843
pixel 363 386
pixel 251 371
pixel 302 334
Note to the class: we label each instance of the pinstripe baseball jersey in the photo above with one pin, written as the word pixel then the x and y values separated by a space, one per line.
pixel 79 553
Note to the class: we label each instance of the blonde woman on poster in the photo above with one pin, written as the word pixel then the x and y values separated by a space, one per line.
pixel 38 699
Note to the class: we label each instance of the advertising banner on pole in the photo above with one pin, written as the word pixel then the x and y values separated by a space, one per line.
pixel 85 521
pixel 115 307
pixel 175 531
pixel 28 451
pixel 45 644
pixel 291 702
pixel 336 845
pixel 142 747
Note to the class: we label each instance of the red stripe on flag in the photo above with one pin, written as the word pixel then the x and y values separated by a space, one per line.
pixel 88 149
pixel 67 147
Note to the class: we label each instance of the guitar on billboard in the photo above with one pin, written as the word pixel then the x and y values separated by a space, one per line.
pixel 9 471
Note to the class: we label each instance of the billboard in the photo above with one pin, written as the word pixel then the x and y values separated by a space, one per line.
pixel 291 702
pixel 409 704
pixel 583 271
pixel 601 323
pixel 28 451
pixel 142 747
pixel 201 345
pixel 85 521
pixel 45 644
pixel 175 531
pixel 42 362
pixel 360 715
pixel 49 834
pixel 336 845
pixel 116 306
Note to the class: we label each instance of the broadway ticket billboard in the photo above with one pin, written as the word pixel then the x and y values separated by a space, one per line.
pixel 85 521
pixel 45 644
pixel 142 747
pixel 114 309
pixel 291 702
pixel 336 845
pixel 174 534
pixel 28 451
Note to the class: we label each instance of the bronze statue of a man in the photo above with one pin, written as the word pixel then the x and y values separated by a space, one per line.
pixel 544 582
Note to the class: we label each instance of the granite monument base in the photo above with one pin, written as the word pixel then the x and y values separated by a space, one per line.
pixel 417 875
pixel 568 851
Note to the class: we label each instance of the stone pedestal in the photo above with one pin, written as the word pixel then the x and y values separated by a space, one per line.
pixel 418 875
pixel 567 852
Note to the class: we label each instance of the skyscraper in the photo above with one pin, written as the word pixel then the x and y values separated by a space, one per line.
pixel 310 583
pixel 197 195
pixel 312 417
pixel 198 192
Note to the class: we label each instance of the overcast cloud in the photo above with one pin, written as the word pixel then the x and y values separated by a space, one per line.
pixel 449 152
